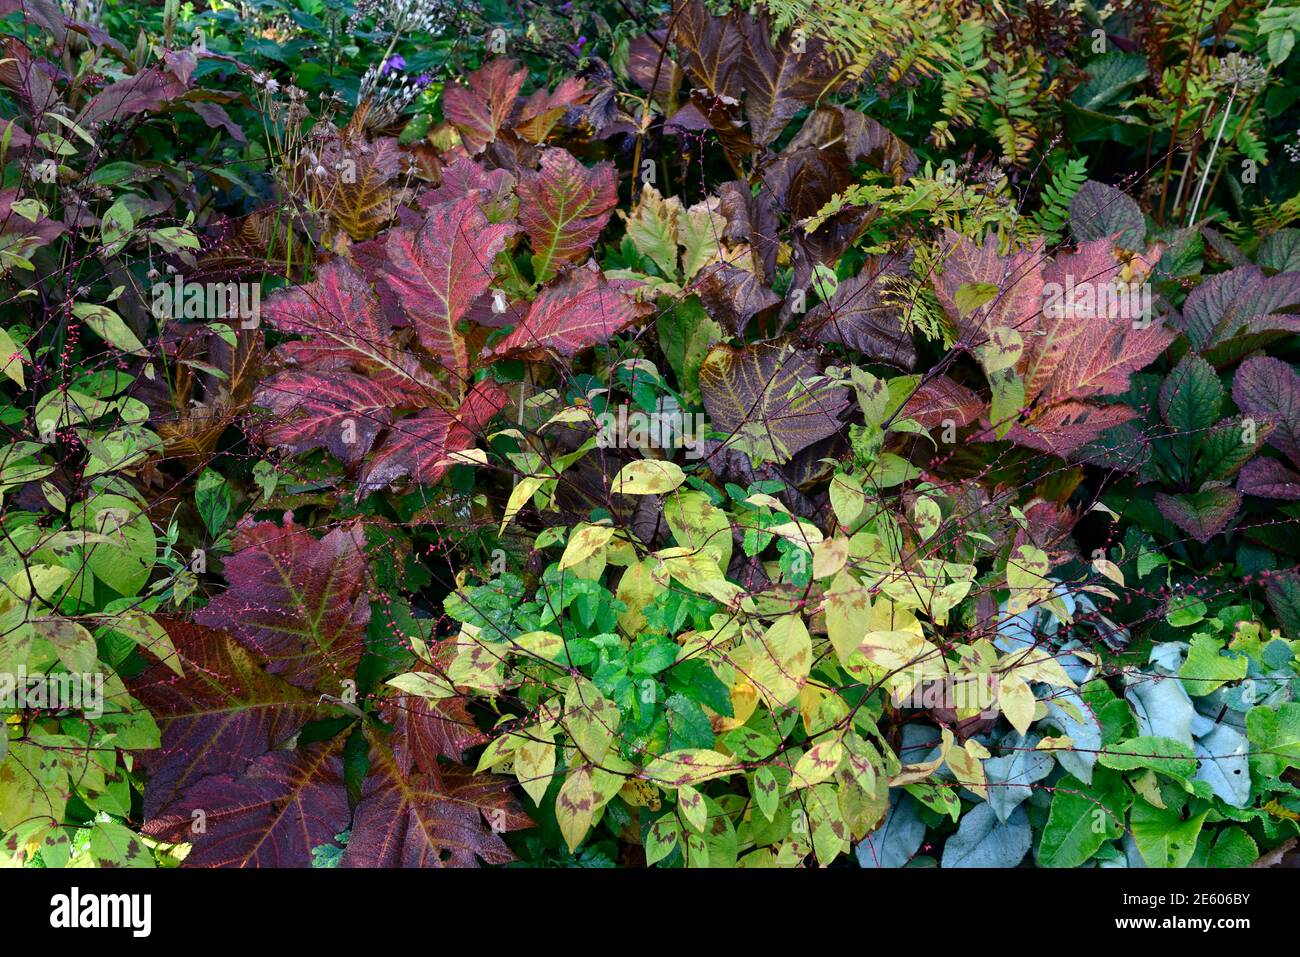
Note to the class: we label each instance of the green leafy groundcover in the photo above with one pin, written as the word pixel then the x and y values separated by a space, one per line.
pixel 800 433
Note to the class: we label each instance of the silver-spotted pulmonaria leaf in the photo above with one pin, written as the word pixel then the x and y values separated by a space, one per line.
pixel 899 836
pixel 771 397
pixel 984 841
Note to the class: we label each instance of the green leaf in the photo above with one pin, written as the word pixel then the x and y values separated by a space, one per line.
pixel 1082 819
pixel 1207 669
pixel 212 499
pixel 1160 754
pixel 1163 838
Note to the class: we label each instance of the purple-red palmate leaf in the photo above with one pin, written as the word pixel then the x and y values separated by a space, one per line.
pixel 542 111
pixel 466 175
pixel 225 711
pixel 563 206
pixel 583 309
pixel 424 445
pixel 270 814
pixel 439 269
pixel 297 600
pixel 1081 340
pixel 769 393
pixel 865 316
pixel 445 817
pixel 939 400
pixel 480 110
pixel 344 328
pixel 339 411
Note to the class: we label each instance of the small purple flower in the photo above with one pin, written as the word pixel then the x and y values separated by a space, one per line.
pixel 423 80
pixel 576 48
pixel 394 62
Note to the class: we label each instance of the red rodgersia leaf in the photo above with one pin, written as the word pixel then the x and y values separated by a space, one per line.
pixel 341 412
pixel 465 175
pixel 1019 278
pixel 764 393
pixel 225 711
pixel 542 111
pixel 1201 514
pixel 438 270
pixel 939 400
pixel 481 110
pixel 582 310
pixel 425 730
pixel 1063 363
pixel 423 446
pixel 563 206
pixel 298 601
pixel 414 818
pixel 345 329
pixel 271 814
pixel 1270 389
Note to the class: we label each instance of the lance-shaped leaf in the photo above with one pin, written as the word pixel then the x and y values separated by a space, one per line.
pixel 299 601
pixel 1269 478
pixel 414 818
pixel 1201 514
pixel 271 814
pixel 439 270
pixel 862 315
pixel 225 711
pixel 771 393
pixel 780 79
pixel 480 110
pixel 147 90
pixel 582 310
pixel 563 206
pixel 1233 313
pixel 423 446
